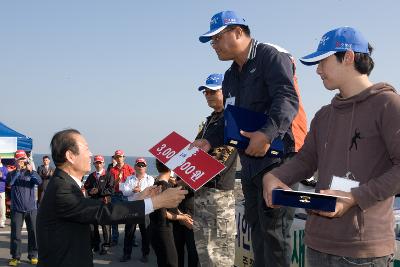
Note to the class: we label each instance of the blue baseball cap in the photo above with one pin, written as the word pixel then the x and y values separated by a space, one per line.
pixel 219 22
pixel 340 39
pixel 213 82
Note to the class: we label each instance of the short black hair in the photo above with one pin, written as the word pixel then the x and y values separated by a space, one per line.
pixel 245 28
pixel 45 157
pixel 61 142
pixel 161 168
pixel 363 62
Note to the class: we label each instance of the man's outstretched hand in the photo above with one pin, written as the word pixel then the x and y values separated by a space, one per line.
pixel 150 191
pixel 170 198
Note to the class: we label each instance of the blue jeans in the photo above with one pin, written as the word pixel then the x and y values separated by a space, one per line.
pixel 115 198
pixel 270 228
pixel 318 259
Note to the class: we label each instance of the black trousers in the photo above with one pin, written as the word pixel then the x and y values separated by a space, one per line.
pixel 95 235
pixel 129 237
pixel 17 220
pixel 184 236
pixel 162 241
pixel 270 228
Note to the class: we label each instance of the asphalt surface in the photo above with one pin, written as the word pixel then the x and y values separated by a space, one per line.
pixel 111 259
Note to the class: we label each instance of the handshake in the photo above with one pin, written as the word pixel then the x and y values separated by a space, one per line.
pixel 169 198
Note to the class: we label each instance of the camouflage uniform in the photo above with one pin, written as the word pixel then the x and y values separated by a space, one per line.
pixel 214 227
pixel 214 224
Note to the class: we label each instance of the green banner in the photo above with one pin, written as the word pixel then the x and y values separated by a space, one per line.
pixel 299 249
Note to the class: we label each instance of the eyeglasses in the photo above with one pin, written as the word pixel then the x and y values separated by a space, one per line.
pixel 141 165
pixel 210 92
pixel 215 39
pixel 98 162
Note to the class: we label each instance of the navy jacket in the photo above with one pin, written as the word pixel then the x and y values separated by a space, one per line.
pixel 22 184
pixel 266 84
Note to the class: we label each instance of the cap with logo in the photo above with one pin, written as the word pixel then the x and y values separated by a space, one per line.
pixel 119 153
pixel 219 22
pixel 337 40
pixel 98 158
pixel 213 82
pixel 140 160
pixel 20 154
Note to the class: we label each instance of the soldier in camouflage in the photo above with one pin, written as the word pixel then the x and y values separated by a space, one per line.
pixel 214 203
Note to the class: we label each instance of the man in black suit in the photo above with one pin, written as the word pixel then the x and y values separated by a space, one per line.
pixel 65 215
pixel 45 172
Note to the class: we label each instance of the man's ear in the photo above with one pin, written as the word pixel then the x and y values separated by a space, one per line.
pixel 349 57
pixel 238 32
pixel 70 156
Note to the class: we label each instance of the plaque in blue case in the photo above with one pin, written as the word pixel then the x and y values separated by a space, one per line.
pixel 237 118
pixel 305 200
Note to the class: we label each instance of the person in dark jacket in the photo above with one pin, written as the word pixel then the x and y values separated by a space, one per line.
pixel 183 231
pixel 214 203
pixel 65 215
pixel 100 185
pixel 23 207
pixel 45 172
pixel 161 226
pixel 261 79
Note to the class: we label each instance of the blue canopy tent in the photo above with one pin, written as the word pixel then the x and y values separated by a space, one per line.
pixel 11 140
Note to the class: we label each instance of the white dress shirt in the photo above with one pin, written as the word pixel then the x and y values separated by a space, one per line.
pixel 78 181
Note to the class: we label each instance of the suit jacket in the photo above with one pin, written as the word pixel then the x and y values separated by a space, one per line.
pixel 64 218
pixel 46 175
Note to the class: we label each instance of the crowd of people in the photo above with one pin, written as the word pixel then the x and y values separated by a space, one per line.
pixel 356 137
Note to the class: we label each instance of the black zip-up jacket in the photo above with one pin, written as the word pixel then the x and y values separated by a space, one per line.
pixel 265 84
pixel 227 155
pixel 104 184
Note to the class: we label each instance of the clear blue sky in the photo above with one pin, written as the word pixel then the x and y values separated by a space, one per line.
pixel 125 73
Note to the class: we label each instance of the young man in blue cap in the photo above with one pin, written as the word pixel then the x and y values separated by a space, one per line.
pixel 354 143
pixel 214 203
pixel 261 79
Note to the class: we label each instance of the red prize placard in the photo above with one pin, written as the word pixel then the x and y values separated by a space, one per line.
pixel 169 147
pixel 194 166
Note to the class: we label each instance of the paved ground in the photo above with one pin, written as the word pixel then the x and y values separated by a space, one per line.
pixel 112 259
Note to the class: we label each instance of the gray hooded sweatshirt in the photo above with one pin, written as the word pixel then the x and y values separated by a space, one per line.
pixel 361 135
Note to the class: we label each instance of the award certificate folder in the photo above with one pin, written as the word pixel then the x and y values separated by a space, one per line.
pixel 237 118
pixel 305 200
